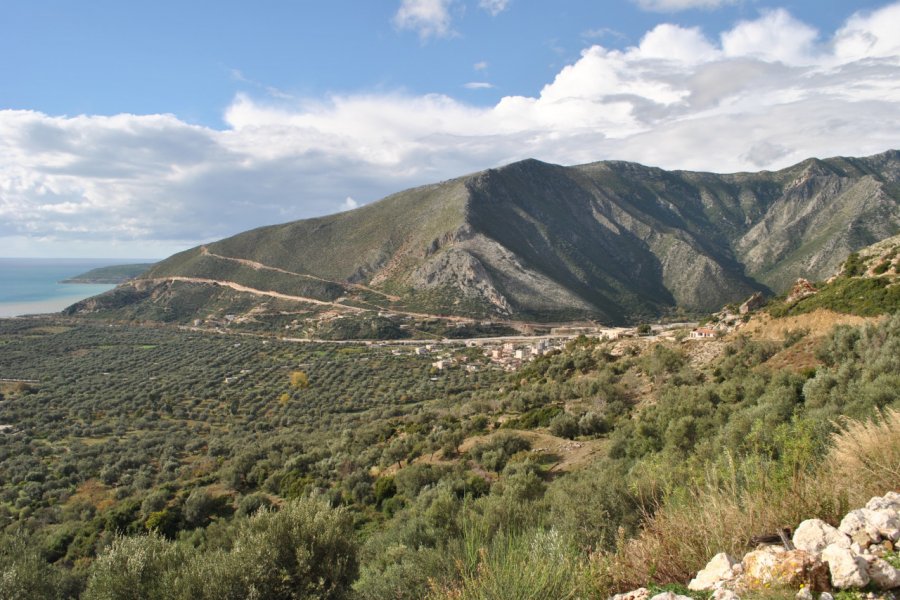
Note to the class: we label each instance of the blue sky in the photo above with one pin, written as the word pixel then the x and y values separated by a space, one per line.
pixel 138 129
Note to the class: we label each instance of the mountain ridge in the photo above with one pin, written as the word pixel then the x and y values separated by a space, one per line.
pixel 611 240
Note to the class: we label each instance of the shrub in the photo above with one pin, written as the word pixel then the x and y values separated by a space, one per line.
pixel 25 574
pixel 495 452
pixel 564 425
pixel 135 567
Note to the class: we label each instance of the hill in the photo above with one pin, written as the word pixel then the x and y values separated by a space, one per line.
pixel 867 284
pixel 114 274
pixel 614 241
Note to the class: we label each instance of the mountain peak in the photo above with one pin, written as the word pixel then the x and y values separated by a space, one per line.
pixel 613 240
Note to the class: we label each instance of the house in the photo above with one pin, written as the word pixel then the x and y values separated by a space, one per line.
pixel 703 333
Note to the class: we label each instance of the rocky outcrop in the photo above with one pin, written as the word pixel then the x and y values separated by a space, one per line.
pixel 800 290
pixel 754 302
pixel 857 554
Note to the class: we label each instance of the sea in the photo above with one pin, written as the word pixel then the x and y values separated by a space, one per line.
pixel 32 285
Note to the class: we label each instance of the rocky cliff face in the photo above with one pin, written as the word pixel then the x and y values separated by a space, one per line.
pixel 614 241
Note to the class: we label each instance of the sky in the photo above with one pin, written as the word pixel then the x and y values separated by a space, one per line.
pixel 141 129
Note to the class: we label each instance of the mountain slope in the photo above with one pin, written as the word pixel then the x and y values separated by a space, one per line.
pixel 614 241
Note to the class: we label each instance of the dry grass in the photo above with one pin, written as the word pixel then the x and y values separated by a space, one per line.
pixel 866 453
pixel 687 529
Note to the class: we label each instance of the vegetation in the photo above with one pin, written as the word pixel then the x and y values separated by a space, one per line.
pixel 179 464
pixel 112 274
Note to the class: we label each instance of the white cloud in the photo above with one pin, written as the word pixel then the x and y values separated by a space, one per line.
pixel 872 34
pixel 774 37
pixel 478 85
pixel 748 100
pixel 349 203
pixel 480 65
pixel 679 5
pixel 429 18
pixel 495 7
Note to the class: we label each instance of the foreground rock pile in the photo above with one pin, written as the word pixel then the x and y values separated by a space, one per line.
pixel 858 554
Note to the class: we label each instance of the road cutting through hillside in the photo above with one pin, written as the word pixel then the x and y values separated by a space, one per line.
pixel 249 290
pixel 260 266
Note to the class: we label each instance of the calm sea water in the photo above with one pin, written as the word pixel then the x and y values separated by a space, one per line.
pixel 31 285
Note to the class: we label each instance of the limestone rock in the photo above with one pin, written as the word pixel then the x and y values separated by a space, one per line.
pixel 638 594
pixel 725 594
pixel 801 289
pixel 814 535
pixel 890 501
pixel 866 526
pixel 758 566
pixel 856 525
pixel 883 574
pixel 804 594
pixel 886 522
pixel 670 596
pixel 848 569
pixel 773 566
pixel 752 303
pixel 716 570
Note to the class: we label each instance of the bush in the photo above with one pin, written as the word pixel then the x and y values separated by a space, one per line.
pixel 251 503
pixel 135 567
pixel 25 574
pixel 305 551
pixel 494 453
pixel 564 425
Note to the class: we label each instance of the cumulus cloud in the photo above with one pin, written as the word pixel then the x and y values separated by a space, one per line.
pixel 495 7
pixel 429 18
pixel 679 5
pixel 762 95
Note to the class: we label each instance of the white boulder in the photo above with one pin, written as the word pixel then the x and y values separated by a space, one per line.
pixel 848 569
pixel 716 570
pixel 814 535
pixel 638 594
pixel 883 574
pixel 890 501
pixel 886 522
pixel 670 596
pixel 857 526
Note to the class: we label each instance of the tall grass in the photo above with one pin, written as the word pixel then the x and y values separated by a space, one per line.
pixel 531 565
pixel 866 455
pixel 737 501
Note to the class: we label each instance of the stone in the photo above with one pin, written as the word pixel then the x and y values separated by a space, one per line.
pixel 825 596
pixel 670 596
pixel 804 594
pixel 725 594
pixel 801 289
pixel 885 521
pixel 638 594
pixel 774 566
pixel 856 525
pixel 813 535
pixel 752 303
pixel 848 569
pixel 883 574
pixel 758 566
pixel 890 501
pixel 719 568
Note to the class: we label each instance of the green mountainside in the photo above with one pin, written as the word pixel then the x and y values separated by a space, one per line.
pixel 614 241
pixel 112 274
pixel 868 284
